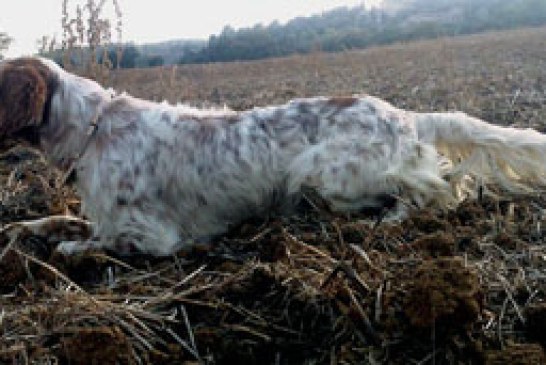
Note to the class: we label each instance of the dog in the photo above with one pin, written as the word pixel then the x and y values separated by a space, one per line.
pixel 156 178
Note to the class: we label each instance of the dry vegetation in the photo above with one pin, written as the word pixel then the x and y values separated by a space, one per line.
pixel 462 287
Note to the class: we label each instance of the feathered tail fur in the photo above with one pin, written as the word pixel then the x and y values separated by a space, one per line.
pixel 510 158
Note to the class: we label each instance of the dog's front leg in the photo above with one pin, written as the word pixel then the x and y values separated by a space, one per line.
pixel 56 228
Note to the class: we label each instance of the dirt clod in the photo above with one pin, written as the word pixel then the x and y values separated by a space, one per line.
pixel 443 291
pixel 95 345
pixel 435 245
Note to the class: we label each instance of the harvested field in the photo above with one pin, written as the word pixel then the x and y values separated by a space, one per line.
pixel 461 287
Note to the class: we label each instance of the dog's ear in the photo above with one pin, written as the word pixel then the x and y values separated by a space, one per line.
pixel 23 95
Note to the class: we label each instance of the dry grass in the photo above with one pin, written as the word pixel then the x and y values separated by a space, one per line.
pixel 463 287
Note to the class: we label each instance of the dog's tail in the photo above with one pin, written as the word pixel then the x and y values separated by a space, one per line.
pixel 510 158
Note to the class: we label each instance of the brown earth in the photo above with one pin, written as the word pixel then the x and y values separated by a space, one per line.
pixel 459 287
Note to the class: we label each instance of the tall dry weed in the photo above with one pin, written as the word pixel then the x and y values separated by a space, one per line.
pixel 88 35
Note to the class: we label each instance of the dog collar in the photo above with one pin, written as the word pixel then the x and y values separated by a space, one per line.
pixel 70 174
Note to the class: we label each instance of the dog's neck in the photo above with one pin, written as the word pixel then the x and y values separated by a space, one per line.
pixel 74 106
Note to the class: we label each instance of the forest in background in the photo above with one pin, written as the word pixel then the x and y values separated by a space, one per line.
pixel 358 27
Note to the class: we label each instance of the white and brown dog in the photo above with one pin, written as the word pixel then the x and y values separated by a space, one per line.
pixel 155 178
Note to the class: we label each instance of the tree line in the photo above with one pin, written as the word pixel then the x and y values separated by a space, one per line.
pixel 357 27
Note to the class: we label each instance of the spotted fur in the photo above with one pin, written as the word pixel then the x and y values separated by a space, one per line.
pixel 157 178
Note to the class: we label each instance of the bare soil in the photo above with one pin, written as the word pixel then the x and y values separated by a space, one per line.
pixel 460 287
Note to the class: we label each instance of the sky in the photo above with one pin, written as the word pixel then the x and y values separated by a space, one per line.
pixel 26 21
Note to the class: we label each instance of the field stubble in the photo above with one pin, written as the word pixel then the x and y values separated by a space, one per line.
pixel 459 287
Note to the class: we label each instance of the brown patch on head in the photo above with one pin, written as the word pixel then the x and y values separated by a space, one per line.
pixel 26 86
pixel 342 101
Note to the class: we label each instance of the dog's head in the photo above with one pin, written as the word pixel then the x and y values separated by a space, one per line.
pixel 26 88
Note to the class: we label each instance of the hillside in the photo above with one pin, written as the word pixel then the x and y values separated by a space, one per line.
pixel 358 27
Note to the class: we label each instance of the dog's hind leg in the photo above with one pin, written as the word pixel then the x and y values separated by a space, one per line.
pixel 351 175
pixel 348 175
